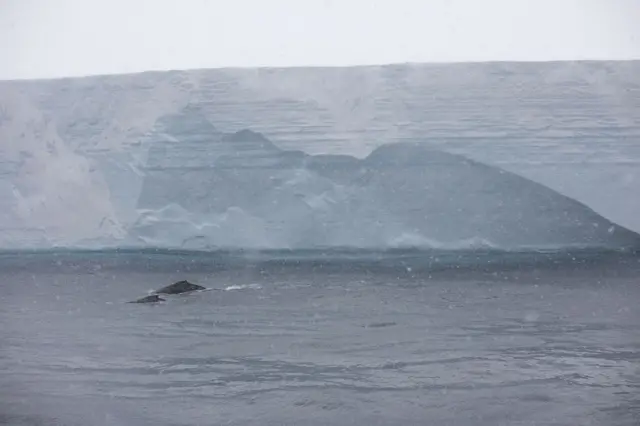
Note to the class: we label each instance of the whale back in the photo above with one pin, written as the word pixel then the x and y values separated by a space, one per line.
pixel 149 299
pixel 179 287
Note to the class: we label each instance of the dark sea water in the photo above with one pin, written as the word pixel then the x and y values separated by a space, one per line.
pixel 321 338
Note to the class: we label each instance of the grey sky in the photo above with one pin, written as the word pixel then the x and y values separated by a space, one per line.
pixel 47 38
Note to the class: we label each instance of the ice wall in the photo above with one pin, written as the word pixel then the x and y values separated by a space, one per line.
pixel 74 153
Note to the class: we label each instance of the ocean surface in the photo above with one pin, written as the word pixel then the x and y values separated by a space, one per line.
pixel 336 337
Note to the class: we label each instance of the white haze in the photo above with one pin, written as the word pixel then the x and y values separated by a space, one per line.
pixel 86 37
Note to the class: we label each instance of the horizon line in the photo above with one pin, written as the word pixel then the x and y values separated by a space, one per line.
pixel 311 67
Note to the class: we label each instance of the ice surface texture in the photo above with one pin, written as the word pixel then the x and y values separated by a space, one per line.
pixel 76 153
pixel 243 191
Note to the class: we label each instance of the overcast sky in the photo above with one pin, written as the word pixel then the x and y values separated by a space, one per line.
pixel 49 38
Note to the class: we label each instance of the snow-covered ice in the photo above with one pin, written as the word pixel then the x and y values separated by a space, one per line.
pixel 167 159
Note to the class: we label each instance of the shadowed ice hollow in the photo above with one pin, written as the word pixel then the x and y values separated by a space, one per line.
pixel 241 190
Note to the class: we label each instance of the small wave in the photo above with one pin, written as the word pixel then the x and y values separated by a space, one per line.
pixel 410 240
pixel 243 287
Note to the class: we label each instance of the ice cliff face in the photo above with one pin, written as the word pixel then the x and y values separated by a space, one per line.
pixel 76 153
pixel 241 190
pixel 48 192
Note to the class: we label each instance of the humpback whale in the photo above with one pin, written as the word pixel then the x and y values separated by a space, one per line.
pixel 179 288
pixel 154 298
pixel 175 288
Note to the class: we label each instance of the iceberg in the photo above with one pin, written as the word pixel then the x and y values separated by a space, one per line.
pixel 90 162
